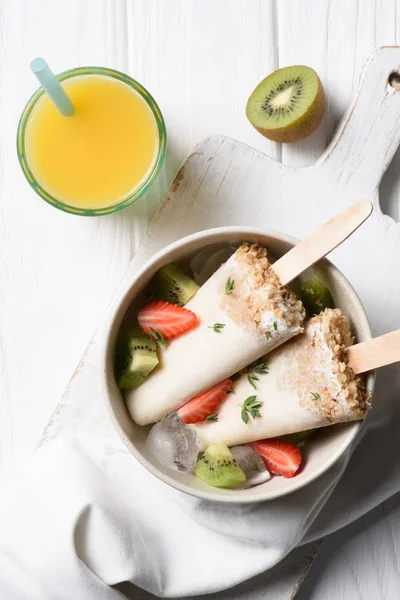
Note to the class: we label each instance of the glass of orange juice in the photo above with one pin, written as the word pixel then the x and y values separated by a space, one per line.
pixel 105 156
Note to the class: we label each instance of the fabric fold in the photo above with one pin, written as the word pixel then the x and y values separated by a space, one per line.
pixel 86 520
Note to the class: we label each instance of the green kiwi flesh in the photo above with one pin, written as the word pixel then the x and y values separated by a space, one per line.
pixel 315 296
pixel 288 105
pixel 300 436
pixel 218 468
pixel 136 357
pixel 173 285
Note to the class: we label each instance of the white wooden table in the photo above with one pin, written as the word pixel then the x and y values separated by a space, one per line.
pixel 200 59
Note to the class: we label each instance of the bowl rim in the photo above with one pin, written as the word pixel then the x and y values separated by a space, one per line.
pixel 114 322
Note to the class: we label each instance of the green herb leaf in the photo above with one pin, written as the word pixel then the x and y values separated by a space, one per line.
pixel 257 405
pixel 229 285
pixel 218 327
pixel 255 413
pixel 250 400
pixel 256 322
pixel 315 396
pixel 157 337
pixel 212 418
pixel 250 407
pixel 275 325
pixel 251 379
pixel 259 367
pixel 268 335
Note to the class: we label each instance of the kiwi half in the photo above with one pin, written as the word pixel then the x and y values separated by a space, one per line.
pixel 136 357
pixel 288 105
pixel 173 285
pixel 218 468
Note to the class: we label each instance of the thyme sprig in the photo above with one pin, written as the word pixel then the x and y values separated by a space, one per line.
pixel 250 407
pixel 218 327
pixel 229 285
pixel 212 418
pixel 257 368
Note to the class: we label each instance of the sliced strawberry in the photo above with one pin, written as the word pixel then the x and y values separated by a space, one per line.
pixel 205 404
pixel 169 320
pixel 280 456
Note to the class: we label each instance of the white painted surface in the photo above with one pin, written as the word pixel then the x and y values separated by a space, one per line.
pixel 200 60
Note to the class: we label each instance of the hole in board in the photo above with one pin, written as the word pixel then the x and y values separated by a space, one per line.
pixel 394 80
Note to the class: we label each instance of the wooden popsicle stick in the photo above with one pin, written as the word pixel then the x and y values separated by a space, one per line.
pixel 381 351
pixel 322 241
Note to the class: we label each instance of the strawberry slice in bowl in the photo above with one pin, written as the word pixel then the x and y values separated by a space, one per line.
pixel 280 456
pixel 205 405
pixel 164 320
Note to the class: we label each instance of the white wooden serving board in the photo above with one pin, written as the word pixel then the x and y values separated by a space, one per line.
pixel 225 182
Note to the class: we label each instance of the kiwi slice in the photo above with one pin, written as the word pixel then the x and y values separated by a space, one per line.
pixel 315 296
pixel 288 105
pixel 171 284
pixel 136 356
pixel 300 436
pixel 218 468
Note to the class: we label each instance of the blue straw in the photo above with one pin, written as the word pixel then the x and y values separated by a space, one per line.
pixel 52 87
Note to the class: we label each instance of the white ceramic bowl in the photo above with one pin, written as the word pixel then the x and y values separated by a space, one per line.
pixel 322 452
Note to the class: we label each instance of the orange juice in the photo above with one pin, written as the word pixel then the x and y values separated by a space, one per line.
pixel 103 154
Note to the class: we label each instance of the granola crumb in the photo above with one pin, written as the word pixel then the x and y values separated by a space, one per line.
pixel 342 392
pixel 258 291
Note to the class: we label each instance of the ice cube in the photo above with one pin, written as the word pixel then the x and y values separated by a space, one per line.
pixel 174 444
pixel 251 464
pixel 207 261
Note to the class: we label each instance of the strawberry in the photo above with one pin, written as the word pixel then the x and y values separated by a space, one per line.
pixel 280 456
pixel 205 404
pixel 161 319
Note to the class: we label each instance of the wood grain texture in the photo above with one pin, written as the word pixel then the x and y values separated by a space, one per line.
pixel 359 562
pixel 200 60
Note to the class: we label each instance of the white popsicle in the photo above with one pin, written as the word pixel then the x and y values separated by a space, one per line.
pixel 309 384
pixel 254 317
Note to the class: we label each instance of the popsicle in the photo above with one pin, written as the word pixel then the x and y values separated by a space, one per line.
pixel 308 383
pixel 245 310
pixel 236 326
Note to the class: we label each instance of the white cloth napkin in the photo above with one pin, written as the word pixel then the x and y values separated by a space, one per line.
pixel 86 517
